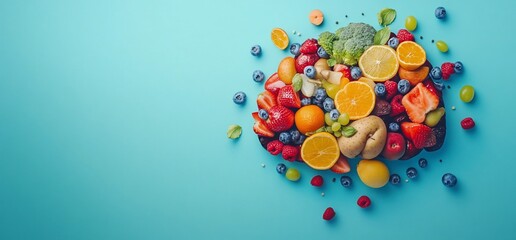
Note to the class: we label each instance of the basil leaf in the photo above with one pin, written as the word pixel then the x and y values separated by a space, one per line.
pixel 349 131
pixel 234 131
pixel 381 37
pixel 386 16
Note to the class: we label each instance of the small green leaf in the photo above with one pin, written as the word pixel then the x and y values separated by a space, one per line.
pixel 386 16
pixel 234 131
pixel 382 36
pixel 349 131
pixel 331 62
pixel 297 82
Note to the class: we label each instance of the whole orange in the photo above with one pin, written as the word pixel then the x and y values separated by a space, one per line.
pixel 309 118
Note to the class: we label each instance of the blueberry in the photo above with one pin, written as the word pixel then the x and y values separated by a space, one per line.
pixel 263 114
pixel 395 179
pixel 281 168
pixel 394 127
pixel 334 115
pixel 294 49
pixel 239 97
pixel 393 42
pixel 379 89
pixel 458 67
pixel 422 163
pixel 328 104
pixel 285 137
pixel 439 85
pixel 449 180
pixel 346 181
pixel 322 53
pixel 256 50
pixel 258 76
pixel 356 73
pixel 403 86
pixel 300 140
pixel 411 172
pixel 306 101
pixel 320 94
pixel 440 12
pixel 436 73
pixel 295 135
pixel 309 71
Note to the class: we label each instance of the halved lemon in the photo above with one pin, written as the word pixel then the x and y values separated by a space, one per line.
pixel 379 63
pixel 320 151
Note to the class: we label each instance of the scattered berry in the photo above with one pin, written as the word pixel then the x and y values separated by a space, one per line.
pixel 290 153
pixel 263 114
pixel 394 127
pixel 458 67
pixel 256 50
pixel 447 70
pixel 317 181
pixel 328 104
pixel 309 71
pixel 356 73
pixel 294 49
pixel 328 214
pixel 258 76
pixel 393 42
pixel 395 179
pixel 391 88
pixel 379 90
pixel 293 174
pixel 281 168
pixel 467 123
pixel 422 163
pixel 411 172
pixel 239 97
pixel 346 181
pixel 404 35
pixel 322 53
pixel 449 180
pixel 436 73
pixel 285 137
pixel 334 114
pixel 364 201
pixel 274 147
pixel 403 86
pixel 440 13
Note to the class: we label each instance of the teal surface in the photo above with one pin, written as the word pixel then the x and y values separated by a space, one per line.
pixel 113 118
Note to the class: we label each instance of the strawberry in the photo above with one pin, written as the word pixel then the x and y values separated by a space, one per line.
pixel 410 151
pixel 260 127
pixel 421 135
pixel 404 35
pixel 341 166
pixel 447 70
pixel 391 87
pixel 309 46
pixel 275 147
pixel 440 133
pixel 304 60
pixel 280 119
pixel 418 102
pixel 328 214
pixel 317 181
pixel 290 153
pixel 343 69
pixel 396 107
pixel 429 84
pixel 274 83
pixel 287 97
pixel 266 100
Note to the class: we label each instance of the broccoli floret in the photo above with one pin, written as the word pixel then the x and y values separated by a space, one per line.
pixel 326 40
pixel 352 41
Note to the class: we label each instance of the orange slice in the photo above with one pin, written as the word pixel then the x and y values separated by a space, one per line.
pixel 316 17
pixel 410 55
pixel 357 99
pixel 320 151
pixel 280 38
pixel 379 63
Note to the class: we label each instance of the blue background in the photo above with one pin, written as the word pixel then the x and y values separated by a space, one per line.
pixel 113 119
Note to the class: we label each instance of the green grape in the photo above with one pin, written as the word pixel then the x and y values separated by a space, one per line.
pixel 467 93
pixel 335 126
pixel 442 46
pixel 328 129
pixel 343 119
pixel 327 119
pixel 331 89
pixel 321 129
pixel 337 134
pixel 433 117
pixel 292 174
pixel 411 23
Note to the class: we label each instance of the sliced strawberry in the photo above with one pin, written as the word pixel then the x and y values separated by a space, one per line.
pixel 309 46
pixel 343 69
pixel 260 127
pixel 266 100
pixel 305 60
pixel 274 83
pixel 418 102
pixel 287 97
pixel 341 166
pixel 429 84
pixel 280 119
pixel 421 135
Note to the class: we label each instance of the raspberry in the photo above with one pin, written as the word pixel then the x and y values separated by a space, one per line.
pixel 404 35
pixel 396 106
pixel 391 87
pixel 328 214
pixel 317 181
pixel 290 153
pixel 275 147
pixel 364 201
pixel 309 46
pixel 467 123
pixel 447 70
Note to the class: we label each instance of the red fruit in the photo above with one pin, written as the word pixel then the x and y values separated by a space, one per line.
pixel 391 87
pixel 275 147
pixel 429 84
pixel 401 118
pixel 343 69
pixel 280 119
pixel 421 135
pixel 341 166
pixel 467 123
pixel 447 70
pixel 418 102
pixel 317 181
pixel 274 83
pixel 381 108
pixel 266 100
pixel 396 107
pixel 260 127
pixel 328 214
pixel 290 153
pixel 287 97
pixel 309 46
pixel 304 60
pixel 404 35
pixel 394 146
pixel 364 201
pixel 410 151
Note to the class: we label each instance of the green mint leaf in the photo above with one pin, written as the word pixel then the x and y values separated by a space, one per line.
pixel 331 62
pixel 349 131
pixel 382 36
pixel 297 82
pixel 386 16
pixel 234 131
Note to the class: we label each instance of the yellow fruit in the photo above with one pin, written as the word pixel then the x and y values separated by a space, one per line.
pixel 309 118
pixel 373 173
pixel 414 76
pixel 410 55
pixel 287 70
pixel 280 38
pixel 368 81
pixel 357 99
pixel 379 63
pixel 320 151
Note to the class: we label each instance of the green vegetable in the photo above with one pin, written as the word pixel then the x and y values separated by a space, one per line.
pixel 386 16
pixel 234 131
pixel 348 131
pixel 382 36
pixel 297 82
pixel 326 40
pixel 351 42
